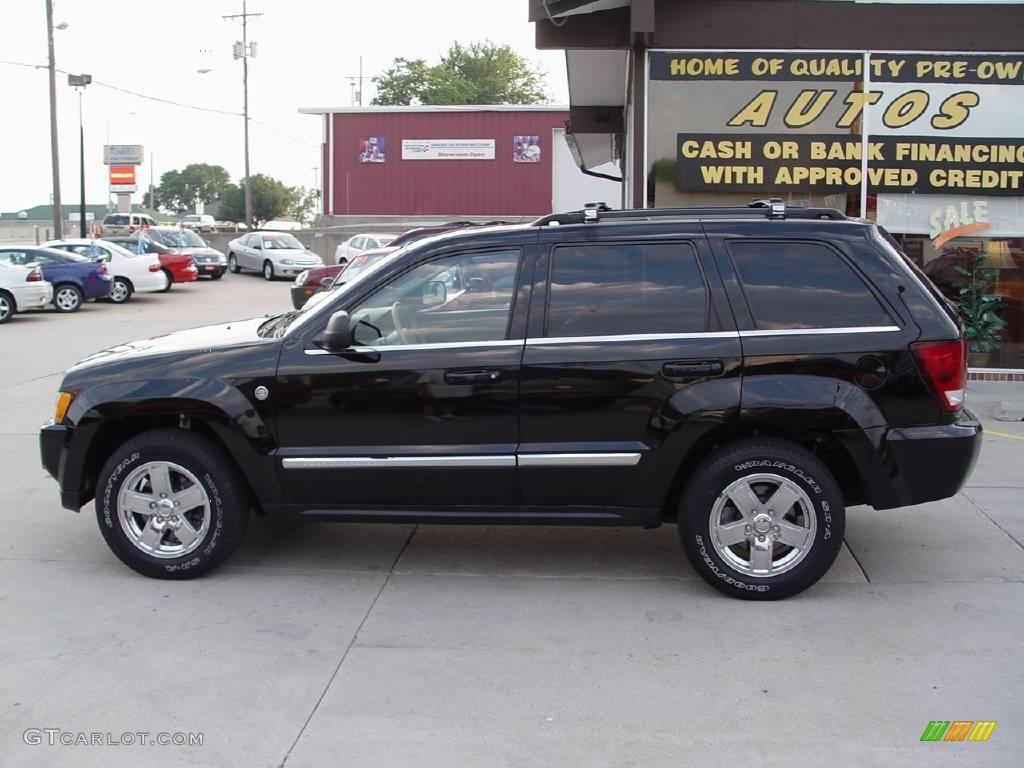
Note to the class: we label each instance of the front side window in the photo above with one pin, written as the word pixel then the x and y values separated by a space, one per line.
pixel 795 285
pixel 462 298
pixel 625 289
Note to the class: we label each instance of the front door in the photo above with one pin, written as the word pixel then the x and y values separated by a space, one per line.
pixel 423 413
pixel 635 358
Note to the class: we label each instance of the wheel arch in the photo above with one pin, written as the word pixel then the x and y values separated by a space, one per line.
pixel 104 429
pixel 820 442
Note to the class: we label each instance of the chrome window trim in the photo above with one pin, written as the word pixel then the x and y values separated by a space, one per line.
pixel 822 331
pixel 547 340
pixel 579 459
pixel 437 345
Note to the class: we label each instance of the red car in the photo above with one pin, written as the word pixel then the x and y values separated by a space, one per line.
pixel 176 264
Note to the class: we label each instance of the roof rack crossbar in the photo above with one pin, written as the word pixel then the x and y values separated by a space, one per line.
pixel 772 209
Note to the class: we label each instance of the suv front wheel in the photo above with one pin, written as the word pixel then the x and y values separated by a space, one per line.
pixel 170 504
pixel 761 519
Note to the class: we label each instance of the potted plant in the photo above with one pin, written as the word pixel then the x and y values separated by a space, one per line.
pixel 979 307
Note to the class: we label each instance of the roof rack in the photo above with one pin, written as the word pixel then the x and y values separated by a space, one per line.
pixel 773 208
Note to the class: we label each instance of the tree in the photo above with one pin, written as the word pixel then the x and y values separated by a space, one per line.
pixel 198 182
pixel 480 73
pixel 302 204
pixel 270 199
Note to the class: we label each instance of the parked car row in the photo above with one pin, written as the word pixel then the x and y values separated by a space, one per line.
pixel 66 273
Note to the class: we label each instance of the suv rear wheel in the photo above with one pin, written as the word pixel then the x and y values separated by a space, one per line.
pixel 761 519
pixel 171 505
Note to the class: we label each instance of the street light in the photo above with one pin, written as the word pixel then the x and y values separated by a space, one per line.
pixel 78 82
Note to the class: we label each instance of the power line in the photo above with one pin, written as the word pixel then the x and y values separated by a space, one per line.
pixel 167 101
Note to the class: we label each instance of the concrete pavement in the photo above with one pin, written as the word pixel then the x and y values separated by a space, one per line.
pixel 364 645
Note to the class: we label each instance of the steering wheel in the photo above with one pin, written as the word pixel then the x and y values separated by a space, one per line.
pixel 403 321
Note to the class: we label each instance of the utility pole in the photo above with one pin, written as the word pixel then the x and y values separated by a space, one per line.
pixel 58 229
pixel 244 54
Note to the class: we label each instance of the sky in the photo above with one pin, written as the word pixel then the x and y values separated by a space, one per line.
pixel 306 52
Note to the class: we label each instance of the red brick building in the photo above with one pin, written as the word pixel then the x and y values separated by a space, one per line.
pixel 439 160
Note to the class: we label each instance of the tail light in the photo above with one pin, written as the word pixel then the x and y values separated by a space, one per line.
pixel 944 364
pixel 35 276
pixel 154 267
pixel 102 270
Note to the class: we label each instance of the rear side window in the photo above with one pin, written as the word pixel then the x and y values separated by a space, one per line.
pixel 795 285
pixel 116 219
pixel 628 288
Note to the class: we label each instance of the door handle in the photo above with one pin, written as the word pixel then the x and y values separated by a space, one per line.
pixel 482 376
pixel 691 368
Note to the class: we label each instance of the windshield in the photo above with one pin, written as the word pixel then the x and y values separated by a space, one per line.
pixel 277 326
pixel 283 242
pixel 184 238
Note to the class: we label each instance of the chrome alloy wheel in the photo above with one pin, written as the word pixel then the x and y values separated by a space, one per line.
pixel 67 299
pixel 763 525
pixel 6 308
pixel 163 509
pixel 119 292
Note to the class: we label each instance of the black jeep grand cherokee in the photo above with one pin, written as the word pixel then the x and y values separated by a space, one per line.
pixel 745 373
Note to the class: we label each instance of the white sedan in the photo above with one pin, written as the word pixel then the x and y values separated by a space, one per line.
pixel 22 288
pixel 275 254
pixel 356 244
pixel 132 272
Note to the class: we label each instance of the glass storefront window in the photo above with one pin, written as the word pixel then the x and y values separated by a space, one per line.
pixel 943 135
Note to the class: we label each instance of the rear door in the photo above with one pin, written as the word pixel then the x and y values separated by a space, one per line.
pixel 632 355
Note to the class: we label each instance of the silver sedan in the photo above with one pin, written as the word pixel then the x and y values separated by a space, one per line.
pixel 275 254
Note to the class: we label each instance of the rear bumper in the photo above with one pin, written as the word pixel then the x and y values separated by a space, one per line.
pixel 914 465
pixel 54 449
pixel 35 295
pixel 97 288
pixel 149 282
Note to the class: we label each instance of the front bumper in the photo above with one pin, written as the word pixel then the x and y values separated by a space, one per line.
pixel 302 293
pixel 54 449
pixel 294 270
pixel 208 270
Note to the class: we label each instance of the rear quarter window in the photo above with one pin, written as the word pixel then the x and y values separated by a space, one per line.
pixel 792 285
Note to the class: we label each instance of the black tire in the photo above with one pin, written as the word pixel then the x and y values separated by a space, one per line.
pixel 67 298
pixel 121 291
pixel 233 264
pixel 765 458
pixel 170 280
pixel 219 484
pixel 268 271
pixel 216 275
pixel 8 306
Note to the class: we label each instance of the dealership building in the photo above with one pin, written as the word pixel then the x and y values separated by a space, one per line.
pixel 911 114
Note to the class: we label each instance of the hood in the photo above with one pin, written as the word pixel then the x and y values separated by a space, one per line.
pixel 206 252
pixel 204 340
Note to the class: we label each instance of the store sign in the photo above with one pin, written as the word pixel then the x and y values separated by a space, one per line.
pixel 123 154
pixel 793 122
pixel 447 149
pixel 122 178
pixel 949 222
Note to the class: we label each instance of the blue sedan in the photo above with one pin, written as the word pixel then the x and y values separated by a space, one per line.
pixel 75 278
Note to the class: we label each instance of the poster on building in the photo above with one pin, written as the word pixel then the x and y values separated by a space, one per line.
pixel 526 149
pixel 447 149
pixel 372 149
pixel 799 121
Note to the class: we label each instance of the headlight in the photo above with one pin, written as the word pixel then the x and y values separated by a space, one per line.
pixel 63 401
pixel 287 261
pixel 302 278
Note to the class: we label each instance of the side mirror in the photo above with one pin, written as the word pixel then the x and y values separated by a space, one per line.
pixel 327 283
pixel 434 292
pixel 337 336
pixel 475 284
